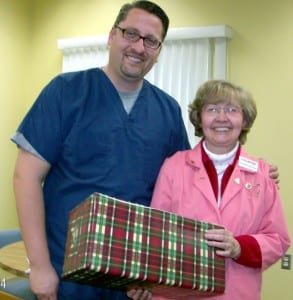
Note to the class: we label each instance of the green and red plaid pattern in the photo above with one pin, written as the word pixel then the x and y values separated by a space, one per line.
pixel 113 243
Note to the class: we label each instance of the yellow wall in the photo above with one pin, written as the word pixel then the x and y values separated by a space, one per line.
pixel 14 37
pixel 260 59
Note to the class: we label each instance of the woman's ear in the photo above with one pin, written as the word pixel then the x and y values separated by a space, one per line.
pixel 244 124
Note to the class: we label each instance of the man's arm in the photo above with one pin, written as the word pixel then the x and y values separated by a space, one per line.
pixel 29 174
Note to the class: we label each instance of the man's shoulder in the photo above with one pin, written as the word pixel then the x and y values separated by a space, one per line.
pixel 79 75
pixel 161 97
pixel 159 91
pixel 74 82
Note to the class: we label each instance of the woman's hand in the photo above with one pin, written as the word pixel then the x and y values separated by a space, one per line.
pixel 139 293
pixel 224 241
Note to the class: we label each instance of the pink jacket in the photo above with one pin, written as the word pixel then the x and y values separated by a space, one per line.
pixel 250 205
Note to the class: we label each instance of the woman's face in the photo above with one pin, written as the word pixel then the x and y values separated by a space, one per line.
pixel 222 123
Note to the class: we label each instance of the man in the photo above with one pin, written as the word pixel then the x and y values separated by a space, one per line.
pixel 106 130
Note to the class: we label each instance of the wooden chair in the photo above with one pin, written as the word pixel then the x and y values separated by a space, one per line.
pixel 7 296
pixel 16 287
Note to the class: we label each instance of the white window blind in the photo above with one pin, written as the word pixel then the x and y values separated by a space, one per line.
pixel 189 57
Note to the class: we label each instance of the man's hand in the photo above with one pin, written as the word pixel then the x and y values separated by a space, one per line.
pixel 139 294
pixel 274 174
pixel 44 282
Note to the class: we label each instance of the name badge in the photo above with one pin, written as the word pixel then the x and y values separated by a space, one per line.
pixel 248 164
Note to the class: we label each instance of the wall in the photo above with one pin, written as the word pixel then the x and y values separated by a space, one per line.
pixel 14 36
pixel 260 59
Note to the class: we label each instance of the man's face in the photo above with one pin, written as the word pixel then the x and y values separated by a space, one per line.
pixel 132 60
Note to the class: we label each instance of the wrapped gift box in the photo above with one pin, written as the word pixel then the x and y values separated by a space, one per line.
pixel 114 244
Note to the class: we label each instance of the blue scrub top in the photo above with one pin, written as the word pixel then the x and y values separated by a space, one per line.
pixel 79 125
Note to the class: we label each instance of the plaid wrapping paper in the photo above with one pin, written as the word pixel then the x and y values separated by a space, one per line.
pixel 114 244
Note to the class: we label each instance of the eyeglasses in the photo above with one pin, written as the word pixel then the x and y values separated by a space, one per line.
pixel 132 35
pixel 214 109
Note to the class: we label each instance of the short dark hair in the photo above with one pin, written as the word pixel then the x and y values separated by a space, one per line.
pixel 148 6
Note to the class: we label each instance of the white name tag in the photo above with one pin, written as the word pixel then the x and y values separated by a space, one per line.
pixel 248 164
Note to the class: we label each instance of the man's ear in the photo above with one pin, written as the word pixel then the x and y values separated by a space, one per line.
pixel 110 36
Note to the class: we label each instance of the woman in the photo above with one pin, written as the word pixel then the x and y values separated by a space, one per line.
pixel 220 183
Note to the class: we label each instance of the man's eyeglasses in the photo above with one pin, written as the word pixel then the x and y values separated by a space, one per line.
pixel 133 36
pixel 227 109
